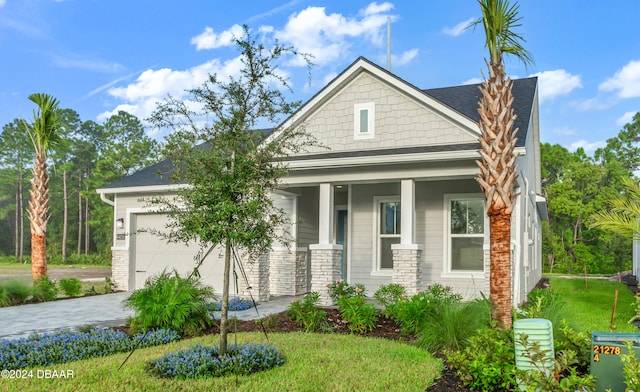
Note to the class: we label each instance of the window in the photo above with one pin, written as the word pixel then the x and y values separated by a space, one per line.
pixel 465 233
pixel 388 231
pixel 364 120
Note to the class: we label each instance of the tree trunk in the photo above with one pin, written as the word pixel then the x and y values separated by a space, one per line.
pixel 65 216
pixel 16 231
pixel 224 320
pixel 500 269
pixel 39 216
pixel 79 214
pixel 86 226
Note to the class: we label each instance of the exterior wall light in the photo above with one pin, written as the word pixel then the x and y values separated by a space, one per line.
pixel 120 223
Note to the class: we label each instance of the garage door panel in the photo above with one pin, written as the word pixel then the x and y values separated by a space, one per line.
pixel 153 254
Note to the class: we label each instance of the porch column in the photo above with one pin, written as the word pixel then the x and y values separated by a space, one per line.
pixel 407 255
pixel 325 255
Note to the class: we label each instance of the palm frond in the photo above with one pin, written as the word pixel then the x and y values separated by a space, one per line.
pixel 44 132
pixel 624 216
pixel 499 18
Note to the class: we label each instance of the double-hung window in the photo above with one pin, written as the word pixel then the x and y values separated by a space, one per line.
pixel 388 232
pixel 465 233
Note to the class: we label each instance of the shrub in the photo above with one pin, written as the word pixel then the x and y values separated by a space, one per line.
pixel 88 259
pixel 389 296
pixel 546 304
pixel 235 304
pixel 341 289
pixel 631 368
pixel 170 301
pixel 4 297
pixel 306 313
pixel 44 289
pixel 66 346
pixel 108 285
pixel 203 361
pixel 415 313
pixel 579 342
pixel 71 287
pixel 17 291
pixel 360 316
pixel 454 324
pixel 487 363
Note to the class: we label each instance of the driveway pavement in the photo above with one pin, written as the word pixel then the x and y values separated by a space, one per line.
pixel 98 310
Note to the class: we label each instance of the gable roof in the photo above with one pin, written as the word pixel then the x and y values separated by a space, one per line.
pixel 459 103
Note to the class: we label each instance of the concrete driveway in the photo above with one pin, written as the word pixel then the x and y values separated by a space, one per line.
pixel 99 310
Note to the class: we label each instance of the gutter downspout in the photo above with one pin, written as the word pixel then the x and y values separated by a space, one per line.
pixel 103 197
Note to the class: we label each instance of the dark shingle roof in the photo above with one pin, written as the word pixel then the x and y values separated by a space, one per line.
pixel 463 99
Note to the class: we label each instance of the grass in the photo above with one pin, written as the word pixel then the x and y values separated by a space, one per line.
pixel 589 308
pixel 314 362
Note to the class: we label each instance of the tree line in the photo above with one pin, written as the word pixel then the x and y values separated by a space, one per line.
pixel 578 188
pixel 88 156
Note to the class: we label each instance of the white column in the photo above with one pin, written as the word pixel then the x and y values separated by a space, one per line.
pixel 325 219
pixel 408 212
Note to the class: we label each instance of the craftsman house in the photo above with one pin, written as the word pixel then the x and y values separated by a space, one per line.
pixel 392 200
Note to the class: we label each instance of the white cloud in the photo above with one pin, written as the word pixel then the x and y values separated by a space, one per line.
pixel 459 28
pixel 626 81
pixel 625 119
pixel 88 63
pixel 473 80
pixel 272 11
pixel 326 36
pixel 404 58
pixel 208 39
pixel 375 8
pixel 152 86
pixel 556 83
pixel 586 146
pixel 3 2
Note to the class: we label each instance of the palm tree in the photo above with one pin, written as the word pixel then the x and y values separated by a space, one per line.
pixel 497 175
pixel 43 133
pixel 624 216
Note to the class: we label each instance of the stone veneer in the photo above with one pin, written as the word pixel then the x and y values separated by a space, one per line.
pixel 288 272
pixel 325 269
pixel 258 279
pixel 407 267
pixel 120 268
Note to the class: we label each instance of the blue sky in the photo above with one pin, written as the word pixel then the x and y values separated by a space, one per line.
pixel 100 56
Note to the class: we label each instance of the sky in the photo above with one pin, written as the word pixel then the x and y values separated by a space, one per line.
pixel 101 56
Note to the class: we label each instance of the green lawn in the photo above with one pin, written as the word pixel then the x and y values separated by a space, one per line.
pixel 314 362
pixel 589 308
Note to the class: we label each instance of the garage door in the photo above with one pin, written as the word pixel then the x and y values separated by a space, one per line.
pixel 152 254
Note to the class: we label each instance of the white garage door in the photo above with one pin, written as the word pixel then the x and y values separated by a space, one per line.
pixel 152 254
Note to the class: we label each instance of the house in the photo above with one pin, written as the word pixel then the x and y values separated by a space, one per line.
pixel 393 199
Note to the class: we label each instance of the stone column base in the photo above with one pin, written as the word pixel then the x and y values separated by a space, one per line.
pixel 287 271
pixel 325 269
pixel 258 279
pixel 407 266
pixel 120 269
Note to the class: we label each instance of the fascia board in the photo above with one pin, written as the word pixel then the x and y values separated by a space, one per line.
pixel 141 189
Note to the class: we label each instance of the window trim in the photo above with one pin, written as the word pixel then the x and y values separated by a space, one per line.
pixel 371 116
pixel 377 200
pixel 447 270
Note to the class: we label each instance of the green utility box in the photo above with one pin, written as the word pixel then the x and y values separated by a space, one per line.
pixel 606 366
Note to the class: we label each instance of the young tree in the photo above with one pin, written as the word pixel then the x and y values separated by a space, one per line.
pixel 229 168
pixel 44 134
pixel 497 176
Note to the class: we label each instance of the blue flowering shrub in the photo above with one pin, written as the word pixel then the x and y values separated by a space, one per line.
pixel 235 304
pixel 66 346
pixel 200 361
